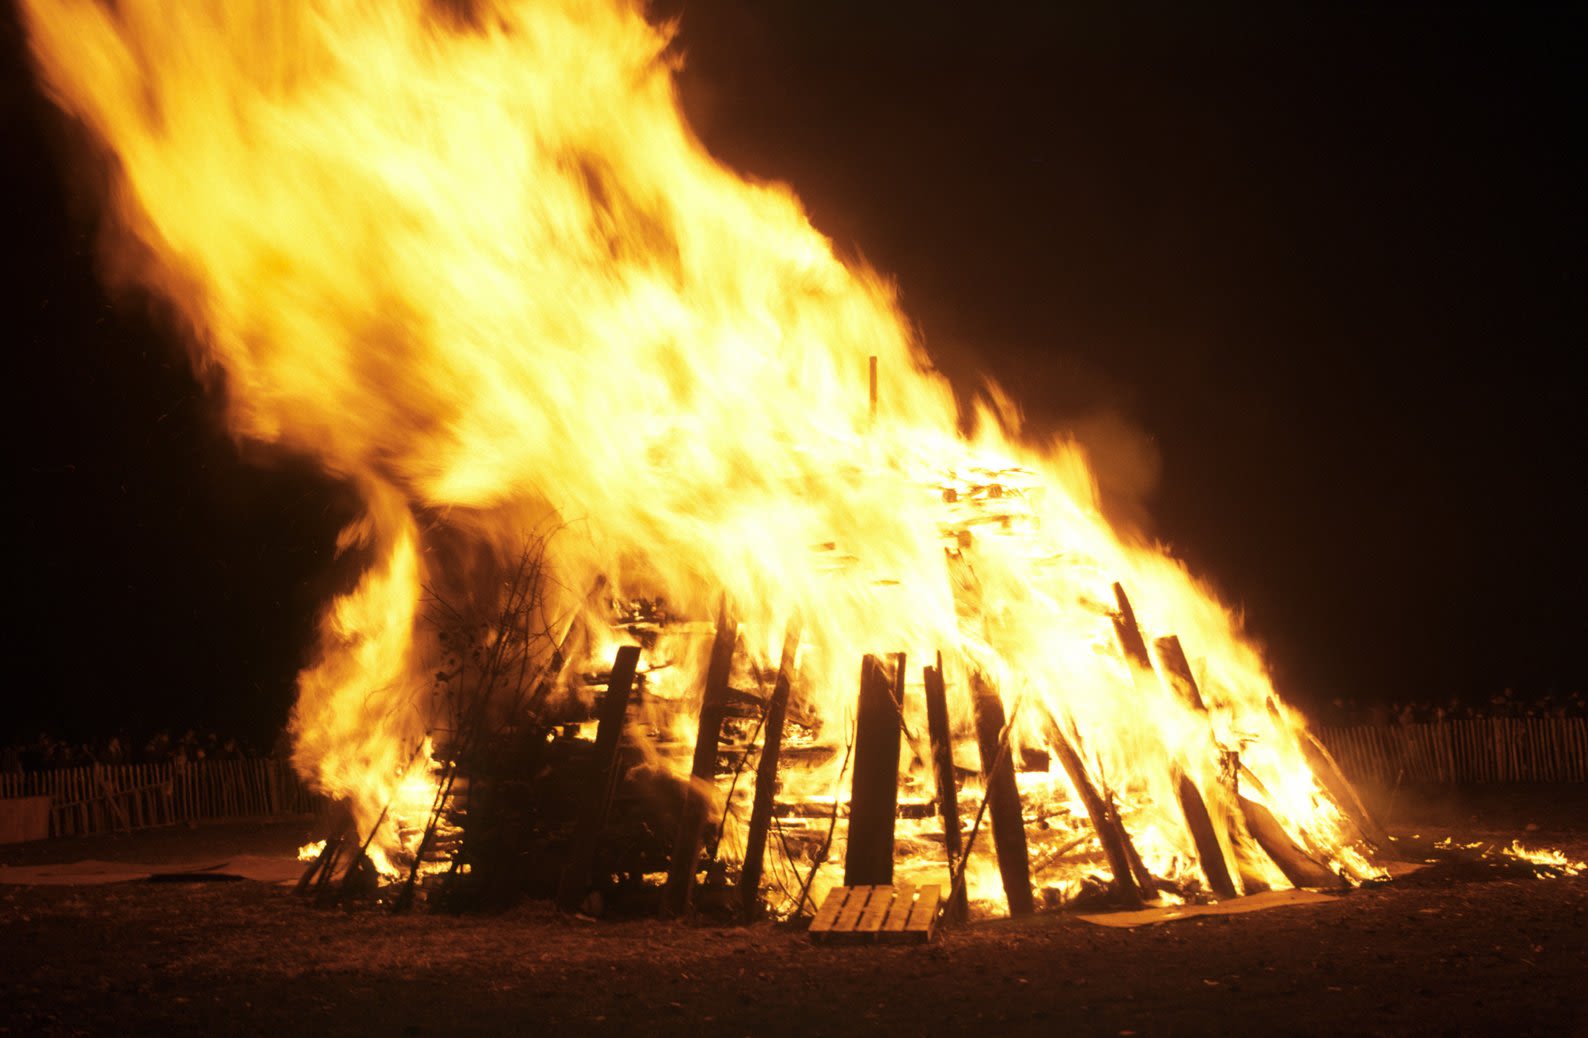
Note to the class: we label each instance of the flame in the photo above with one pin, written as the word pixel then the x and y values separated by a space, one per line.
pixel 471 259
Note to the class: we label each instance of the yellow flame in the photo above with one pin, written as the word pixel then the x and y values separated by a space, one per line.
pixel 478 266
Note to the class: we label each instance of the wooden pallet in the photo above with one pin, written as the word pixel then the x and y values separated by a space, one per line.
pixel 886 915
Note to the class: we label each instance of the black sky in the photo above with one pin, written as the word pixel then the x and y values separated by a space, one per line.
pixel 1310 280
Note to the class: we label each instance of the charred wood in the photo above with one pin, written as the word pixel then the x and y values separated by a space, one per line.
pixel 766 779
pixel 957 910
pixel 874 791
pixel 692 825
pixel 602 782
pixel 1003 797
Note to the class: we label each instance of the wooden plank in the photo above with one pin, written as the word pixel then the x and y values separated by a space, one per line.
pixel 899 911
pixel 692 825
pixel 578 874
pixel 766 779
pixel 923 916
pixel 877 908
pixel 849 915
pixel 947 791
pixel 874 784
pixel 827 915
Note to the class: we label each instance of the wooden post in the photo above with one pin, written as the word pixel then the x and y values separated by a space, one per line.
pixel 874 788
pixel 692 825
pixel 578 872
pixel 957 910
pixel 766 778
pixel 1003 798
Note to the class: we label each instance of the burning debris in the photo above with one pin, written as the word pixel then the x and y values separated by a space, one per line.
pixel 482 270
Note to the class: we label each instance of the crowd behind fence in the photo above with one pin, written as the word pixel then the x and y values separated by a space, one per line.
pixel 121 797
pixel 1463 752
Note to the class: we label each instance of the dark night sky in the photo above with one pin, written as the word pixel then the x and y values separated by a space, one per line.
pixel 1312 281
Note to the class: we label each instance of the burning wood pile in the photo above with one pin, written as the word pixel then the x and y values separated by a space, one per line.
pixel 567 802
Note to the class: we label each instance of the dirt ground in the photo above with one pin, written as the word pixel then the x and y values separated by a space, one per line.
pixel 1473 951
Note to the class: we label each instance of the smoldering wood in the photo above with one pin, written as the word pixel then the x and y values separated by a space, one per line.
pixel 874 789
pixel 692 825
pixel 957 910
pixel 578 871
pixel 1110 833
pixel 1003 797
pixel 766 778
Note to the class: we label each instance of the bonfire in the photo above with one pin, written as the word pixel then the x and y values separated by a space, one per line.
pixel 683 569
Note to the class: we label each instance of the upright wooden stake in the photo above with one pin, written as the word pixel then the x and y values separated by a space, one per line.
pixel 947 792
pixel 577 874
pixel 766 778
pixel 1003 798
pixel 874 793
pixel 692 825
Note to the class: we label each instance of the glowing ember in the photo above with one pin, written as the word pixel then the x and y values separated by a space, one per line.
pixel 480 269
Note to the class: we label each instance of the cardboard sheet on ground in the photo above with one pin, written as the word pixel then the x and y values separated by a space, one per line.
pixel 265 869
pixel 1234 906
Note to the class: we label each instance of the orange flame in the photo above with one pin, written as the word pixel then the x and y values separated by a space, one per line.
pixel 480 268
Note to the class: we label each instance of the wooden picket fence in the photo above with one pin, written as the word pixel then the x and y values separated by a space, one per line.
pixel 121 797
pixel 1492 749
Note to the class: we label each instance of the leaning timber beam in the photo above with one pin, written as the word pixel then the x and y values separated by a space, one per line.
pixel 874 789
pixel 578 874
pixel 1105 821
pixel 766 779
pixel 703 773
pixel 1193 807
pixel 1003 797
pixel 957 909
pixel 1298 866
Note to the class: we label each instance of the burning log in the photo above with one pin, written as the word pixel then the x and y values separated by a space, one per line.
pixel 1105 820
pixel 577 874
pixel 1298 867
pixel 1193 808
pixel 874 792
pixel 1003 798
pixel 1178 670
pixel 766 779
pixel 692 826
pixel 956 910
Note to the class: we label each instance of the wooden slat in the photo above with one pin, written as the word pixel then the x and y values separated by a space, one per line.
pixel 899 911
pixel 827 915
pixel 849 915
pixel 923 916
pixel 876 910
